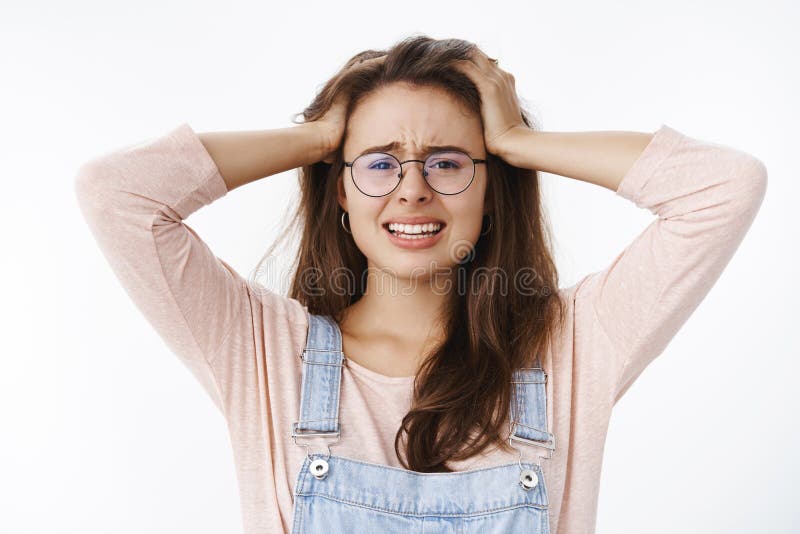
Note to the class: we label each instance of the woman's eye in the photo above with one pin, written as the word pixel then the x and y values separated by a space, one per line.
pixel 376 165
pixel 447 164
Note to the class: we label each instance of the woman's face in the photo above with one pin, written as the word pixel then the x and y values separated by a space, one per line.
pixel 414 117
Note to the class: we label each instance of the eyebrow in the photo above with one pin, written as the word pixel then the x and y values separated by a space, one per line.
pixel 426 149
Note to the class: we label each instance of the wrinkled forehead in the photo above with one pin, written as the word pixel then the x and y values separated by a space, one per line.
pixel 412 119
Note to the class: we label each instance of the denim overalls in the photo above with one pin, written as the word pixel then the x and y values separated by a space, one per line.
pixel 334 494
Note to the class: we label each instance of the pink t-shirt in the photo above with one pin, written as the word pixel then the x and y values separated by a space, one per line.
pixel 244 345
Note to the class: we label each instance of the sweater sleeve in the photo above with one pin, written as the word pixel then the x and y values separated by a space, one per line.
pixel 705 197
pixel 134 200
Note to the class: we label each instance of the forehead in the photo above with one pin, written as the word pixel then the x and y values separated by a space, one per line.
pixel 414 117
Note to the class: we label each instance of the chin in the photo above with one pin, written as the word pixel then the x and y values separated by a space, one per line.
pixel 417 266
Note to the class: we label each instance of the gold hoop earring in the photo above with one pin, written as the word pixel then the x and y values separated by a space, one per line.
pixel 490 225
pixel 343 226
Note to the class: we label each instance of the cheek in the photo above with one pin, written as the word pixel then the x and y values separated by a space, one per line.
pixel 363 216
pixel 468 226
pixel 467 215
pixel 464 233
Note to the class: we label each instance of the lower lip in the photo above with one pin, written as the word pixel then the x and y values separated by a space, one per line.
pixel 420 242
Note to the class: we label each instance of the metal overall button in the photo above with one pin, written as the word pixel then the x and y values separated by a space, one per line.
pixel 319 468
pixel 528 479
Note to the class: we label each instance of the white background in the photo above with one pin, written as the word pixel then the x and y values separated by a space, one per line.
pixel 102 430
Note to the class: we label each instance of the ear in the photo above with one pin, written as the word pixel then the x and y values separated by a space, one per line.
pixel 341 196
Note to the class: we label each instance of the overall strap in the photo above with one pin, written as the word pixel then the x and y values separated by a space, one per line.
pixel 322 377
pixel 529 408
pixel 321 386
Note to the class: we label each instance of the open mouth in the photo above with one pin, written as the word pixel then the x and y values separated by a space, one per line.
pixel 414 231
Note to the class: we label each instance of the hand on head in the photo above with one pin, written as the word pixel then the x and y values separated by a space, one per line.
pixel 500 110
pixel 333 121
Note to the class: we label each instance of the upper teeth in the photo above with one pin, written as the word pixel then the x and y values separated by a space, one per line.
pixel 414 228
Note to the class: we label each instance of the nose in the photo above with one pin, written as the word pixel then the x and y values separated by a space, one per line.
pixel 413 187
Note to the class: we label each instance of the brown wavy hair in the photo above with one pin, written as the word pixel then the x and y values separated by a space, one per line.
pixel 463 389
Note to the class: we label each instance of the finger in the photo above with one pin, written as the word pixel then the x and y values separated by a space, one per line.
pixel 487 66
pixel 475 73
pixel 490 67
pixel 376 59
pixel 371 61
pixel 359 64
pixel 482 60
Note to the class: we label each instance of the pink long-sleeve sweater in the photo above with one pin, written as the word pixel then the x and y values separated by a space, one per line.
pixel 244 345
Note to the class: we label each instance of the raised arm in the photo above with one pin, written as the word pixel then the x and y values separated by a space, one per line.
pixel 705 196
pixel 243 157
pixel 135 200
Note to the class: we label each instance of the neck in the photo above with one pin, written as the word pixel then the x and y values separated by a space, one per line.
pixel 406 310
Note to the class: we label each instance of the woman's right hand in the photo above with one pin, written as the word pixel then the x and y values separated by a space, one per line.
pixel 331 125
pixel 333 122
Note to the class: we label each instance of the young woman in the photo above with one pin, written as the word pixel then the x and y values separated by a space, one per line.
pixel 425 362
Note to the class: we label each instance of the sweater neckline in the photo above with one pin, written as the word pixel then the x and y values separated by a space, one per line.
pixel 376 376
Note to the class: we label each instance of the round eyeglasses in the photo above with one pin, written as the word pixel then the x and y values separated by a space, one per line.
pixel 377 174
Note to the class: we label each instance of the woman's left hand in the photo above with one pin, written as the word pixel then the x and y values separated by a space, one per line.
pixel 500 109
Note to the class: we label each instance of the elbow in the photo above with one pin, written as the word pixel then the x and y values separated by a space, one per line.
pixel 751 186
pixel 94 189
pixel 755 173
pixel 85 183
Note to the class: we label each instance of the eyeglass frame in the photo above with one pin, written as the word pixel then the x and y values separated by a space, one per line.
pixel 424 172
